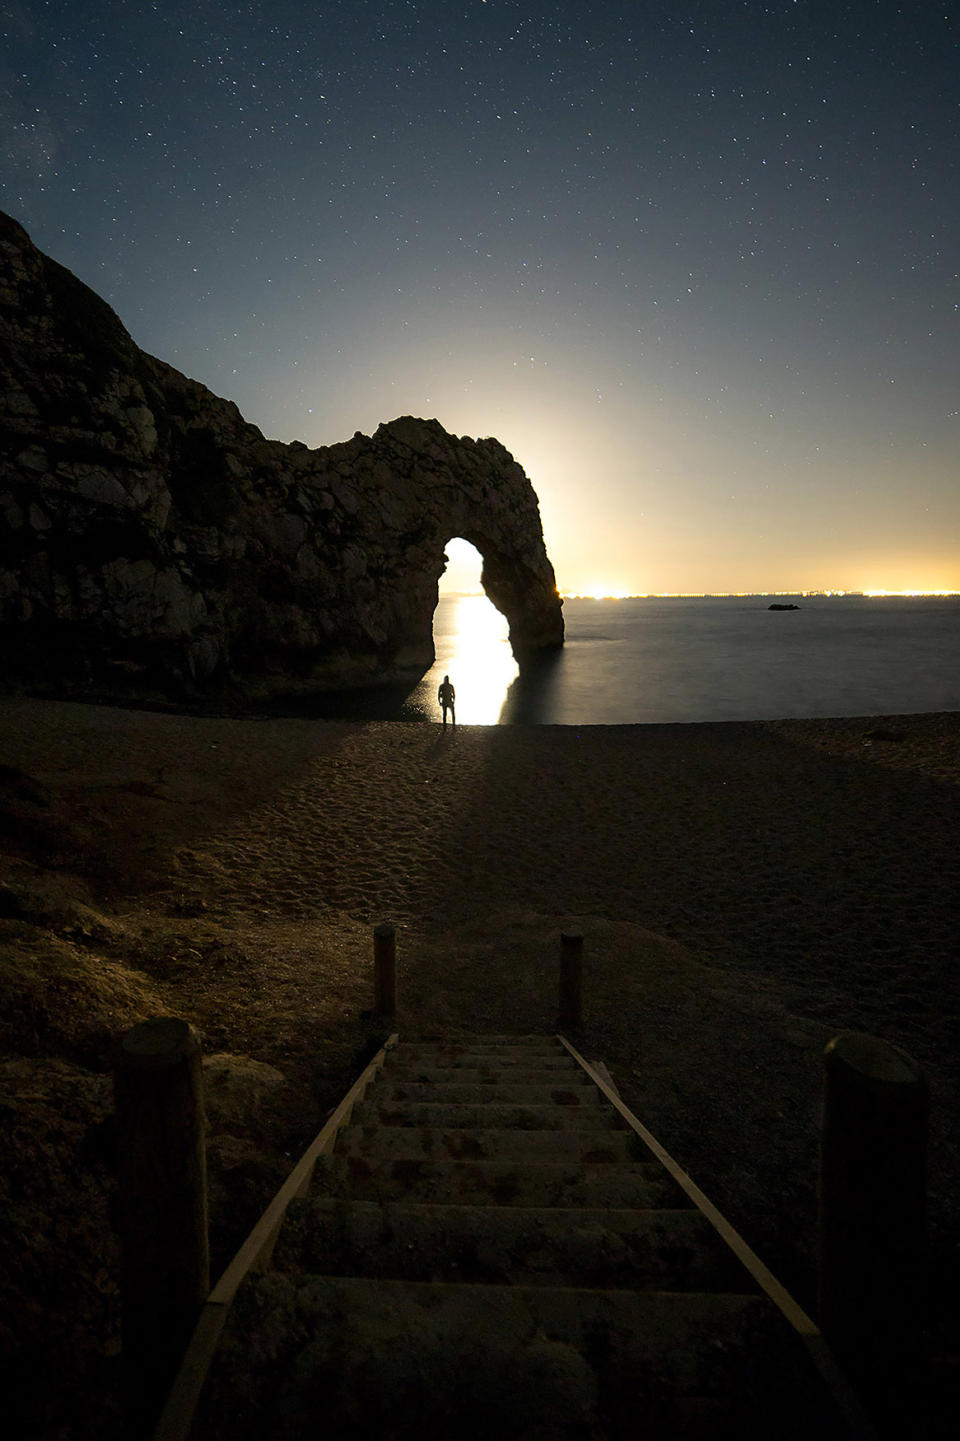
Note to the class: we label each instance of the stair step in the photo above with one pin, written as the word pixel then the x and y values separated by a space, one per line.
pixel 640 1184
pixel 486 1051
pixel 480 1061
pixel 535 1040
pixel 521 1093
pixel 620 1249
pixel 564 1073
pixel 390 1358
pixel 490 1251
pixel 416 1142
pixel 450 1116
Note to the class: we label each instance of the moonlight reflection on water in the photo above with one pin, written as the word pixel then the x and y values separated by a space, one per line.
pixel 470 638
pixel 669 661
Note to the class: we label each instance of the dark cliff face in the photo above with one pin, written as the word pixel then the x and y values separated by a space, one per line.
pixel 153 542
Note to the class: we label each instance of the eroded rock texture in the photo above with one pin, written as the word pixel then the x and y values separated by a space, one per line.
pixel 152 541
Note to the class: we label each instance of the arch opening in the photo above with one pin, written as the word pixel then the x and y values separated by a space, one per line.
pixel 462 569
pixel 471 641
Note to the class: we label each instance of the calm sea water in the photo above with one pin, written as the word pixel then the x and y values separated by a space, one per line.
pixel 629 661
pixel 633 661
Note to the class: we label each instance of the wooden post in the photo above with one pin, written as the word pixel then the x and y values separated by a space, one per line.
pixel 571 980
pixel 162 1208
pixel 872 1241
pixel 385 970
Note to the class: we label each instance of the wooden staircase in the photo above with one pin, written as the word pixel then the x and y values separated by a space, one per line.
pixel 494 1246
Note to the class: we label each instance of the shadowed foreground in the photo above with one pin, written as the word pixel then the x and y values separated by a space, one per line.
pixel 745 892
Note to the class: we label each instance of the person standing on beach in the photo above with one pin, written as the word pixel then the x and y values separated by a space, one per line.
pixel 447 697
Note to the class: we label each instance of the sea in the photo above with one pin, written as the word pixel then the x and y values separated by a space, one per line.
pixel 691 659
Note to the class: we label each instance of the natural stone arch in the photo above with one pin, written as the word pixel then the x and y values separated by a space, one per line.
pixel 475 490
pixel 155 542
pixel 515 585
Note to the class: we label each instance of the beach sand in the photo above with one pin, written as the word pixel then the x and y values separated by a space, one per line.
pixel 745 892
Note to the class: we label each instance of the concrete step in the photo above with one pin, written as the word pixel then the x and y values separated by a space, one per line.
pixel 496 1115
pixel 616 1249
pixel 520 1093
pixel 386 1143
pixel 390 1359
pixel 641 1184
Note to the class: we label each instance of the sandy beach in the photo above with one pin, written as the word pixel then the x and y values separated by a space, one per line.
pixel 745 891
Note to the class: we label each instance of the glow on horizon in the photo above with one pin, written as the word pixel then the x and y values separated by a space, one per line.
pixel 601 594
pixel 911 592
pixel 462 578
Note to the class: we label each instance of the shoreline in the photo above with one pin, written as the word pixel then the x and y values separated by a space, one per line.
pixel 203 710
pixel 30 726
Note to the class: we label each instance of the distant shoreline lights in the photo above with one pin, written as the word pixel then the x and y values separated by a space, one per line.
pixel 755 594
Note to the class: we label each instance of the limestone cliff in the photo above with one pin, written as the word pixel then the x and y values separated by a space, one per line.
pixel 154 542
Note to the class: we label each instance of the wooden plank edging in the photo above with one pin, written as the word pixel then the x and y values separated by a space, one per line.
pixel 764 1278
pixel 601 1070
pixel 176 1419
pixel 860 1427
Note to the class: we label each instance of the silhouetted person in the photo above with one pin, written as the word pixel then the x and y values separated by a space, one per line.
pixel 447 697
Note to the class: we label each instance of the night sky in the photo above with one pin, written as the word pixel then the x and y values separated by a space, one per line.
pixel 696 266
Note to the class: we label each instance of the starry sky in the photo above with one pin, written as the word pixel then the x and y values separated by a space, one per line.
pixel 695 265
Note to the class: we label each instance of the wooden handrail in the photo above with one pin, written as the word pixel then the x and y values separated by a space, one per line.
pixel 860 1428
pixel 176 1419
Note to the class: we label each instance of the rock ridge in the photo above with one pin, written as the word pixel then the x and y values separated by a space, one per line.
pixel 155 543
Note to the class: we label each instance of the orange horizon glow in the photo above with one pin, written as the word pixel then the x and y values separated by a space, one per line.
pixel 601 594
pixel 462 577
pixel 911 592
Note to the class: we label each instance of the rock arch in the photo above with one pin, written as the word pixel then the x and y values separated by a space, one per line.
pixel 519 586
pixel 154 542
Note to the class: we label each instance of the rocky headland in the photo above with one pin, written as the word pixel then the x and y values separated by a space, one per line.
pixel 155 544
